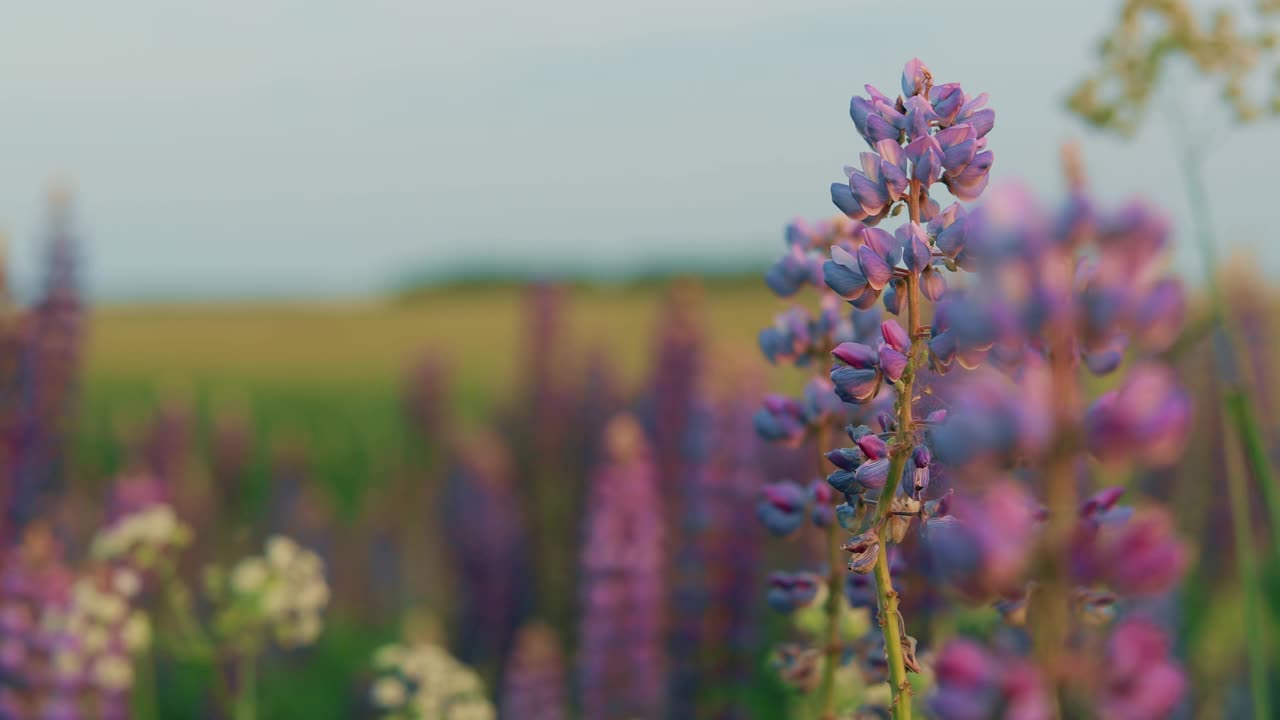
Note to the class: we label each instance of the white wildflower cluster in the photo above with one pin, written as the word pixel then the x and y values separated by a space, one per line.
pixel 97 634
pixel 426 683
pixel 143 539
pixel 283 589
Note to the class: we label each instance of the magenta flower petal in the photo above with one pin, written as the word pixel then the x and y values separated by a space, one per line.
pixel 874 268
pixel 916 78
pixel 895 335
pixel 915 247
pixel 855 355
pixel 892 362
pixel 932 284
pixel 873 446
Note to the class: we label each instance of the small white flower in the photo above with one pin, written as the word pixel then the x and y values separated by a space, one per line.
pixel 126 582
pixel 137 632
pixel 113 672
pixel 308 628
pixel 157 524
pixel 281 551
pixel 67 663
pixel 108 608
pixel 462 681
pixel 249 575
pixel 313 596
pixel 389 693
pixel 84 594
pixel 275 601
pixel 95 639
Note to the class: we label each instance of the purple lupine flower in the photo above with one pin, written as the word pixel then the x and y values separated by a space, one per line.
pixel 855 272
pixel 944 131
pixel 49 375
pixel 789 592
pixel 1141 681
pixel 33 580
pixel 821 497
pixel 822 404
pixel 781 420
pixel 973 684
pixel 1118 296
pixel 1147 418
pixel 875 118
pixel 921 459
pixel 782 507
pixel 984 546
pixel 673 385
pixel 425 398
pixel 621 659
pixel 857 375
pixel 847 462
pixel 947 229
pixel 880 182
pixel 969 183
pixel 484 526
pixel 802 263
pixel 916 254
pixel 789 338
pixel 993 415
pixel 797 337
pixel 705 510
pixel 533 686
pixel 730 626
pixel 135 492
pixel 892 353
pixel 1138 555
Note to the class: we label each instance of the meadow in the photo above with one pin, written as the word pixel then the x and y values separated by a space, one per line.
pixel 329 379
pixel 960 452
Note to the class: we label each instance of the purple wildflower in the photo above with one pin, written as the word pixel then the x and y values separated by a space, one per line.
pixel 1141 681
pixel 621 659
pixel 534 678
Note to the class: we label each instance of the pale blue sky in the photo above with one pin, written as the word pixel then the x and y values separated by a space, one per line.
pixel 310 148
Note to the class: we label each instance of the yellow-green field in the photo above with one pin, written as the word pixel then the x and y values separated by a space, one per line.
pixel 328 375
pixel 480 331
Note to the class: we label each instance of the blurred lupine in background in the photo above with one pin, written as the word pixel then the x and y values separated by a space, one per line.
pixel 49 368
pixel 1171 54
pixel 621 655
pixel 483 521
pixel 535 686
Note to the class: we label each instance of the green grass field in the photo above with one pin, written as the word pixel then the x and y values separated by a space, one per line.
pixel 329 374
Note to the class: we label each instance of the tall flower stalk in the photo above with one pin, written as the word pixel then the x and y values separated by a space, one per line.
pixel 621 658
pixel 1060 292
pixel 931 135
pixel 1135 56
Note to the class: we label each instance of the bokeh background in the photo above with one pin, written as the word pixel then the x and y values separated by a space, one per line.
pixel 377 275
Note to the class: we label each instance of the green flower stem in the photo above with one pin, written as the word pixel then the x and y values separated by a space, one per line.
pixel 1238 492
pixel 143 700
pixel 244 705
pixel 886 597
